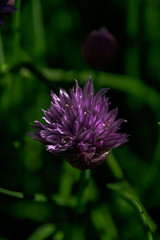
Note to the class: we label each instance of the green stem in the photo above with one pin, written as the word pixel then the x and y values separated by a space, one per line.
pixel 11 193
pixel 127 187
pixel 35 197
pixel 114 166
pixel 2 56
pixel 16 31
pixel 132 29
pixel 70 232
pixel 83 183
pixel 136 205
pixel 39 33
pixel 154 168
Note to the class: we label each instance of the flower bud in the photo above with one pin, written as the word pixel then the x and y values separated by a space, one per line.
pixel 6 8
pixel 99 49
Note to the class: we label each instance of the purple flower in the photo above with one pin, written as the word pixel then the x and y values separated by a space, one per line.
pixel 99 49
pixel 6 8
pixel 80 126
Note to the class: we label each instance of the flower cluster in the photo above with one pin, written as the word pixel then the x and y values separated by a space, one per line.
pixel 80 126
pixel 6 8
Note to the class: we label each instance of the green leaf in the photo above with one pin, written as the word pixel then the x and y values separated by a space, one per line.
pixel 11 193
pixel 103 222
pixel 43 232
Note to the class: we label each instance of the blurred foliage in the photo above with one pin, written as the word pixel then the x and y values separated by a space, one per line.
pixel 41 49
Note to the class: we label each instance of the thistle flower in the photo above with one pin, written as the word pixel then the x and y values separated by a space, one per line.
pixel 80 126
pixel 99 49
pixel 6 8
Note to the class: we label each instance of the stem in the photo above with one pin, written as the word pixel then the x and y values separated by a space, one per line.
pixel 79 207
pixel 140 211
pixel 2 57
pixel 132 29
pixel 11 193
pixel 39 33
pixel 35 197
pixel 127 187
pixel 83 183
pixel 16 30
pixel 114 166
pixel 154 168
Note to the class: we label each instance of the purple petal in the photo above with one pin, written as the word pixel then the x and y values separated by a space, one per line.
pixel 88 89
pixel 64 98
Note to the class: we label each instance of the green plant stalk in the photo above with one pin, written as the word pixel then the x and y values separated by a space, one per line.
pixel 17 34
pixel 80 204
pixel 36 197
pixel 132 29
pixel 38 29
pixel 83 184
pixel 2 56
pixel 154 168
pixel 112 163
pixel 136 205
pixel 152 37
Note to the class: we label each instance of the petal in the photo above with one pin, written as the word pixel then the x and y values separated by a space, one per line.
pixel 114 140
pixel 56 110
pixel 111 116
pixel 78 92
pixel 40 126
pixel 52 139
pixel 99 145
pixel 82 147
pixel 88 89
pixel 115 126
pixel 73 97
pixel 72 112
pixel 75 127
pixel 84 135
pixel 64 98
pixel 101 93
pixel 44 133
pixel 92 138
pixel 36 136
pixel 55 98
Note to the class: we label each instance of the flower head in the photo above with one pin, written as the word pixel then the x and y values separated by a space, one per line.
pixel 80 126
pixel 99 49
pixel 6 8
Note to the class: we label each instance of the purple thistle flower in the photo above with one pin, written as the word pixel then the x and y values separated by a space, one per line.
pixel 80 126
pixel 6 8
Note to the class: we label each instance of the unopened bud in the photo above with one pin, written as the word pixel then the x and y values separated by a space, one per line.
pixel 99 49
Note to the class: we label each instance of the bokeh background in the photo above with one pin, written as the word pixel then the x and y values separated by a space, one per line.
pixel 41 49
